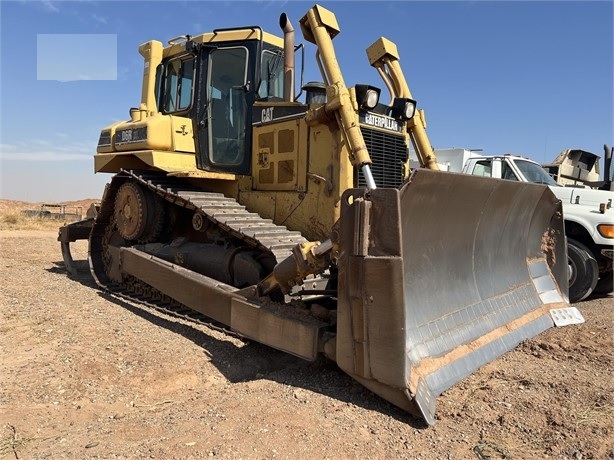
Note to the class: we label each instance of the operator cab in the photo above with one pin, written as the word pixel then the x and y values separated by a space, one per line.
pixel 215 83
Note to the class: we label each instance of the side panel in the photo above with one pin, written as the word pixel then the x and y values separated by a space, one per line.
pixel 279 156
pixel 322 166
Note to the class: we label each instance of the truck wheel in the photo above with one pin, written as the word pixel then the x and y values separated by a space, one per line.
pixel 583 271
pixel 605 284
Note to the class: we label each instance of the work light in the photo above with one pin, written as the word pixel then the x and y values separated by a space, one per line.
pixel 403 108
pixel 367 96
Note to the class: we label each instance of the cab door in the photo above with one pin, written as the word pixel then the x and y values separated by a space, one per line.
pixel 223 115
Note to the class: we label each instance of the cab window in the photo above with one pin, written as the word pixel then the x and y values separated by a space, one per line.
pixel 272 75
pixel 178 84
pixel 227 106
pixel 534 173
pixel 482 168
pixel 507 173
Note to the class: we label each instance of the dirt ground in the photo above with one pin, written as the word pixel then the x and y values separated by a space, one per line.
pixel 83 375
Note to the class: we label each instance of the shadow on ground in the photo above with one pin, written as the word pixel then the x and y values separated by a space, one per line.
pixel 252 360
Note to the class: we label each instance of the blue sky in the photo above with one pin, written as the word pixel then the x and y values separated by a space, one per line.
pixel 531 78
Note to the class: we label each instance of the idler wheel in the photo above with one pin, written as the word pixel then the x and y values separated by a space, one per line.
pixel 131 211
pixel 199 223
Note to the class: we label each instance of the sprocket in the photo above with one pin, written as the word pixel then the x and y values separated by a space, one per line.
pixel 131 211
pixel 138 213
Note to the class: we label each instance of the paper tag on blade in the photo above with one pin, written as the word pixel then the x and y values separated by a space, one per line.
pixel 566 316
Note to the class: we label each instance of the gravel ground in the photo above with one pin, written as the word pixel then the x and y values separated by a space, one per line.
pixel 84 375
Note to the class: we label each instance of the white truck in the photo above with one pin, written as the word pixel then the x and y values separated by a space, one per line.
pixel 588 215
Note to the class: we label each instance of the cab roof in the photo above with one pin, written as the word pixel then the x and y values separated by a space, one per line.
pixel 224 35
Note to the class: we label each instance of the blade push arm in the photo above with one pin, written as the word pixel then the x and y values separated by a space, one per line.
pixel 320 26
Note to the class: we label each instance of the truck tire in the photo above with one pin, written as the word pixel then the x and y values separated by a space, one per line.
pixel 583 271
pixel 605 284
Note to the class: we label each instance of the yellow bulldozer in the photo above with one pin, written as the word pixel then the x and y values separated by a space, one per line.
pixel 299 225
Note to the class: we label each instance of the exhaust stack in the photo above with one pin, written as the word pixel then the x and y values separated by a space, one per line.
pixel 288 30
pixel 608 173
pixel 152 55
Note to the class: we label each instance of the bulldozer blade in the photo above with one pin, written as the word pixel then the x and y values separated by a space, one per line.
pixel 441 277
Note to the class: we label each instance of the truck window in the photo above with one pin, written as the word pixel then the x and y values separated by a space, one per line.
pixel 534 173
pixel 507 173
pixel 482 168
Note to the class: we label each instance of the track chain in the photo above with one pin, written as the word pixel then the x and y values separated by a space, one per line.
pixel 226 213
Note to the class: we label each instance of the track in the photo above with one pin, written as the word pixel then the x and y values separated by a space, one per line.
pixel 230 217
